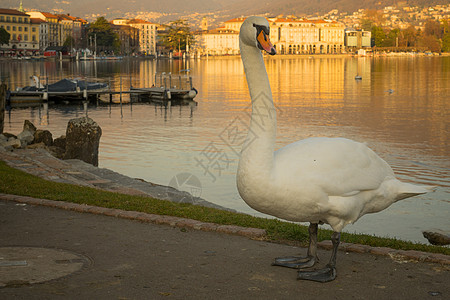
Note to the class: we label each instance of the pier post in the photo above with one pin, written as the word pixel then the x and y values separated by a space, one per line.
pixel 3 88
pixel 121 91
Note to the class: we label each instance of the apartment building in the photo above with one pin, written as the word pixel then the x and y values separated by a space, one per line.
pixel 146 35
pixel 71 27
pixel 24 33
pixel 53 29
pixel 288 35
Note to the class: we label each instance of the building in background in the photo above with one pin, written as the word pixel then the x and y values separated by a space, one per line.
pixel 357 39
pixel 53 30
pixel 288 35
pixel 146 34
pixel 24 38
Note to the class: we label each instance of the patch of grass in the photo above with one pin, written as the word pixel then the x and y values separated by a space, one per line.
pixel 16 182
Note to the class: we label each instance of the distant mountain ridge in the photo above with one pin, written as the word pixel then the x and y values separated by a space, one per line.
pixel 90 10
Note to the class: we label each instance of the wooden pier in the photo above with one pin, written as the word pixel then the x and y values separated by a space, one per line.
pixel 163 93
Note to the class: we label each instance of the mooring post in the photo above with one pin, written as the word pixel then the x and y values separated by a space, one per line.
pixel 3 88
pixel 120 91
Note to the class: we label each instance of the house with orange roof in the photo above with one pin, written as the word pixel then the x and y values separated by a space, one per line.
pixel 53 35
pixel 71 28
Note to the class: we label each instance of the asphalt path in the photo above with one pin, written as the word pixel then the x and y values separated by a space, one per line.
pixel 104 257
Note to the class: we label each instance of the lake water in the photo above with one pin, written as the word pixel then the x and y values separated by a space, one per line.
pixel 400 108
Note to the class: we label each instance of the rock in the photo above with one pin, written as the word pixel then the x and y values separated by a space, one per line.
pixel 40 145
pixel 28 126
pixel 59 147
pixel 437 237
pixel 9 135
pixel 26 137
pixel 60 142
pixel 43 136
pixel 82 140
pixel 14 143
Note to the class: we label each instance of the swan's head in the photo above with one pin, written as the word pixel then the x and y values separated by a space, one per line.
pixel 255 33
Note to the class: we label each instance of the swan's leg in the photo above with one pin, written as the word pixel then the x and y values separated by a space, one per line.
pixel 302 262
pixel 329 272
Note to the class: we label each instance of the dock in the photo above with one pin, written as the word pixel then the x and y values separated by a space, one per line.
pixel 178 90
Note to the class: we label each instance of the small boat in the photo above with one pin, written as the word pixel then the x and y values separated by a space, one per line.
pixel 161 93
pixel 358 77
pixel 65 85
pixel 63 90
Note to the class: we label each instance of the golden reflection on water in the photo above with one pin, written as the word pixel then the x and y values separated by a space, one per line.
pixel 400 108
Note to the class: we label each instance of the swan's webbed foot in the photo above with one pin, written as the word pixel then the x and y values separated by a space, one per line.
pixel 295 262
pixel 323 275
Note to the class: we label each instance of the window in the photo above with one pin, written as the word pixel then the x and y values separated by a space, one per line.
pixel 33 29
pixel 25 29
pixel 2 18
pixel 14 28
pixel 19 28
pixel 14 19
pixel 20 19
pixel 8 19
pixel 8 28
pixel 25 37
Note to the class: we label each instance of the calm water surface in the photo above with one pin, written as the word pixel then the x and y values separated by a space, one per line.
pixel 400 108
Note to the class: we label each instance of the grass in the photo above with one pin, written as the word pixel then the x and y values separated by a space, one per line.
pixel 16 182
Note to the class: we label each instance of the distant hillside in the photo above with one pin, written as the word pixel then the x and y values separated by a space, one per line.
pixel 308 7
pixel 118 8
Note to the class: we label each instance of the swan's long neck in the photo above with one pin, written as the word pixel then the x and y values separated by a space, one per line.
pixel 257 152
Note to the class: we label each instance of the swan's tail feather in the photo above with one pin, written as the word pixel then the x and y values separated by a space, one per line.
pixel 410 190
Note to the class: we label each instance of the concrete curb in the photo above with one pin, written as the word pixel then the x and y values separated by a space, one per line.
pixel 252 233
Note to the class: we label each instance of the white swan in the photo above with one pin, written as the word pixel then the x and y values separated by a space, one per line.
pixel 316 180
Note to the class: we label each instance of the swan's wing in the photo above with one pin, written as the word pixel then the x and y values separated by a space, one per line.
pixel 335 166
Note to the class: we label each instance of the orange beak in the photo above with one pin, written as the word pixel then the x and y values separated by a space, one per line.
pixel 265 43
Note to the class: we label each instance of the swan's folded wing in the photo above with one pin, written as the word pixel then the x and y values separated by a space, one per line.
pixel 336 166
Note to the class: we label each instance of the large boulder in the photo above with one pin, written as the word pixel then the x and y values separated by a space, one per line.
pixel 82 140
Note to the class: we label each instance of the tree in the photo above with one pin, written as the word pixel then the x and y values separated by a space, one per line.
pixel 409 37
pixel 430 42
pixel 178 35
pixel 102 35
pixel 433 28
pixel 4 36
pixel 379 36
pixel 446 42
pixel 391 39
pixel 366 24
pixel 69 42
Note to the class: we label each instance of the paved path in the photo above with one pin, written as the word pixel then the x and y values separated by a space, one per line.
pixel 128 259
pixel 82 252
